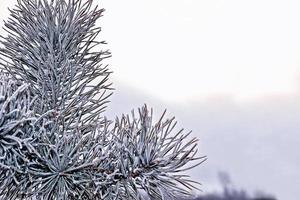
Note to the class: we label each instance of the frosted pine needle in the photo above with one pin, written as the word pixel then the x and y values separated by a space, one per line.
pixel 55 142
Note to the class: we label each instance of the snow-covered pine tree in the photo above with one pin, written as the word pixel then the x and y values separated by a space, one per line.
pixel 54 141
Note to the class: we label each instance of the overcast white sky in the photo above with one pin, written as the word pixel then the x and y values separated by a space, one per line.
pixel 229 69
pixel 185 49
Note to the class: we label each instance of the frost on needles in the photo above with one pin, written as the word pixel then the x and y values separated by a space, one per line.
pixel 55 143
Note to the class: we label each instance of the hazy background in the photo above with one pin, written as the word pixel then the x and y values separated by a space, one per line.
pixel 227 69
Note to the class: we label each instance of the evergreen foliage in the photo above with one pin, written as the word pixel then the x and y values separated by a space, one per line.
pixel 55 144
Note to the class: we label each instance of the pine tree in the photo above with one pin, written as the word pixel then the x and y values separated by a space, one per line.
pixel 55 142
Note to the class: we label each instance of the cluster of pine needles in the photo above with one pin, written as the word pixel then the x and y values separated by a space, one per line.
pixel 55 143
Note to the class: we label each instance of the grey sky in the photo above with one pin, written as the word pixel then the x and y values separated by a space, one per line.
pixel 256 143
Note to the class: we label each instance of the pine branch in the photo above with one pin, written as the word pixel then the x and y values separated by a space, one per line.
pixel 54 144
pixel 153 156
pixel 16 117
pixel 52 46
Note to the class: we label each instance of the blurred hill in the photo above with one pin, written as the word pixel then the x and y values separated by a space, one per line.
pixel 230 193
